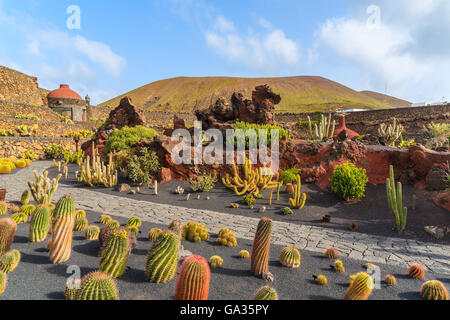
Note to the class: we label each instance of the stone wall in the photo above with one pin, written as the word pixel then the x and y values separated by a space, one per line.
pixel 19 87
pixel 9 109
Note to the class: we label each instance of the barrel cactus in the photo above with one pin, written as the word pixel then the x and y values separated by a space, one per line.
pixel 19 217
pixel 105 219
pixel 416 271
pixel 227 238
pixel 3 208
pixel 390 280
pixel 133 229
pixel 195 232
pixel 92 232
pixel 71 289
pixel 28 209
pixel 113 224
pixel 80 214
pixel 193 279
pixel 434 290
pixel 80 224
pixel 3 282
pixel 162 258
pixel 62 230
pixel 40 224
pixel 115 254
pixel 98 285
pixel 154 233
pixel 216 262
pixel 322 280
pixel 9 261
pixel 290 257
pixel 106 232
pixel 261 247
pixel 244 254
pixel 134 221
pixel 25 198
pixel 360 287
pixel 266 293
pixel 339 266
pixel 8 228
pixel 331 253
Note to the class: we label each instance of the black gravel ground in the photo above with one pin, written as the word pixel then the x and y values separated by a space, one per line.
pixel 37 279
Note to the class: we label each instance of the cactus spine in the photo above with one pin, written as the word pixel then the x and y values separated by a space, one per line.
pixel 261 247
pixel 290 257
pixel 266 293
pixel 25 198
pixel 395 200
pixel 98 285
pixel 299 200
pixel 434 290
pixel 8 228
pixel 193 279
pixel 3 282
pixel 360 287
pixel 62 230
pixel 40 224
pixel 9 261
pixel 162 258
pixel 115 254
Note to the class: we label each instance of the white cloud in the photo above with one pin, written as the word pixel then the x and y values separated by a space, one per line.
pixel 270 51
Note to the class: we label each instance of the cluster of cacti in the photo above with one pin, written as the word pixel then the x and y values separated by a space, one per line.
pixel 19 217
pixel 98 285
pixel 416 271
pixel 93 171
pixel 80 214
pixel 390 132
pixel 215 262
pixel 360 287
pixel 395 200
pixel 134 221
pixel 113 224
pixel 92 232
pixel 25 198
pixel 193 279
pixel 287 211
pixel 290 257
pixel 390 280
pixel 227 238
pixel 299 199
pixel 434 290
pixel 331 253
pixel 28 209
pixel 323 129
pixel 252 181
pixel 8 228
pixel 133 229
pixel 3 282
pixel 162 258
pixel 265 293
pixel 105 219
pixel 114 255
pixel 195 232
pixel 322 280
pixel 3 208
pixel 71 289
pixel 80 224
pixel 339 266
pixel 154 233
pixel 261 247
pixel 9 261
pixel 42 189
pixel 60 244
pixel 244 254
pixel 40 224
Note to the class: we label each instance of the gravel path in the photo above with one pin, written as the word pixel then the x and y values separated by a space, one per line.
pixel 391 251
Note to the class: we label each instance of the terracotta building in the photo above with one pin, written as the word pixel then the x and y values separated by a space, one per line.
pixel 68 103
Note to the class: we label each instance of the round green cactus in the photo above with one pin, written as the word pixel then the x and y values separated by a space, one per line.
pixel 8 229
pixel 154 233
pixel 19 217
pixel 71 289
pixel 28 209
pixel 25 198
pixel 9 261
pixel 216 262
pixel 80 214
pixel 40 224
pixel 133 229
pixel 434 290
pixel 3 282
pixel 105 219
pixel 266 293
pixel 360 287
pixel 113 224
pixel 134 221
pixel 80 224
pixel 287 211
pixel 162 258
pixel 115 254
pixel 98 285
pixel 290 257
pixel 92 232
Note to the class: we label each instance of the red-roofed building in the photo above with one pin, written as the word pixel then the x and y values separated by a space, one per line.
pixel 68 103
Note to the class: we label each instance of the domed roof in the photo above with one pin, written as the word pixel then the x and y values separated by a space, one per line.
pixel 64 91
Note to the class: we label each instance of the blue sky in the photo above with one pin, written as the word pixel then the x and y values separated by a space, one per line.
pixel 399 47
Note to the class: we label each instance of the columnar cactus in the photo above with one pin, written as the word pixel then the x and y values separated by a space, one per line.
pixel 360 288
pixel 299 200
pixel 290 257
pixel 71 289
pixel 42 189
pixel 434 290
pixel 154 233
pixel 3 282
pixel 162 258
pixel 92 232
pixel 331 253
pixel 8 229
pixel 193 279
pixel 134 221
pixel 3 208
pixel 40 224
pixel 266 293
pixel 98 285
pixel 416 271
pixel 261 247
pixel 25 198
pixel 9 261
pixel 80 224
pixel 62 230
pixel 395 200
pixel 115 254
pixel 390 280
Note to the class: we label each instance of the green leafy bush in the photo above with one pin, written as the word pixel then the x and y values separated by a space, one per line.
pixel 349 182
pixel 125 138
pixel 248 199
pixel 141 168
pixel 290 175
pixel 203 183
pixel 29 154
pixel 54 152
pixel 245 127
pixel 287 211
pixel 73 157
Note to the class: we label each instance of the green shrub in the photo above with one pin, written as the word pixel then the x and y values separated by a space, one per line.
pixel 54 152
pixel 6 133
pixel 244 126
pixel 287 211
pixel 203 183
pixel 349 182
pixel 290 175
pixel 29 154
pixel 248 199
pixel 27 117
pixel 142 168
pixel 73 157
pixel 79 134
pixel 125 138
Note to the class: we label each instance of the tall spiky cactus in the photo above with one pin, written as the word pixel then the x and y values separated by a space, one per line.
pixel 98 285
pixel 360 287
pixel 115 254
pixel 266 293
pixel 40 224
pixel 299 200
pixel 395 200
pixel 62 230
pixel 193 279
pixel 3 282
pixel 162 258
pixel 8 228
pixel 261 247
pixel 323 129
pixel 93 171
pixel 391 132
pixel 42 189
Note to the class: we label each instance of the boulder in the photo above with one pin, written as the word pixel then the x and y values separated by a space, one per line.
pixel 443 200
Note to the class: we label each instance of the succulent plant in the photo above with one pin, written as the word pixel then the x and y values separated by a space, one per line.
pixel 8 228
pixel 395 200
pixel 114 255
pixel 134 221
pixel 98 285
pixel 360 287
pixel 162 258
pixel 179 190
pixel 80 214
pixel 105 219
pixel 416 271
pixel 19 217
pixel 195 232
pixel 248 199
pixel 193 279
pixel 113 224
pixel 106 232
pixel 215 262
pixel 299 199
pixel 133 229
pixel 71 289
pixel 80 224
pixel 244 254
pixel 3 282
pixel 290 257
pixel 3 208
pixel 390 280
pixel 331 253
pixel 287 211
pixel 339 266
pixel 9 261
pixel 261 247
pixel 434 290
pixel 266 293
pixel 322 280
pixel 234 205
pixel 42 189
pixel 92 232
pixel 62 230
pixel 226 238
pixel 25 198
pixel 40 224
pixel 154 233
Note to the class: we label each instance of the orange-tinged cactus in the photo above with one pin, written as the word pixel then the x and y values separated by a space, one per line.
pixel 434 290
pixel 360 287
pixel 261 247
pixel 193 280
pixel 62 230
pixel 331 253
pixel 8 228
pixel 416 271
